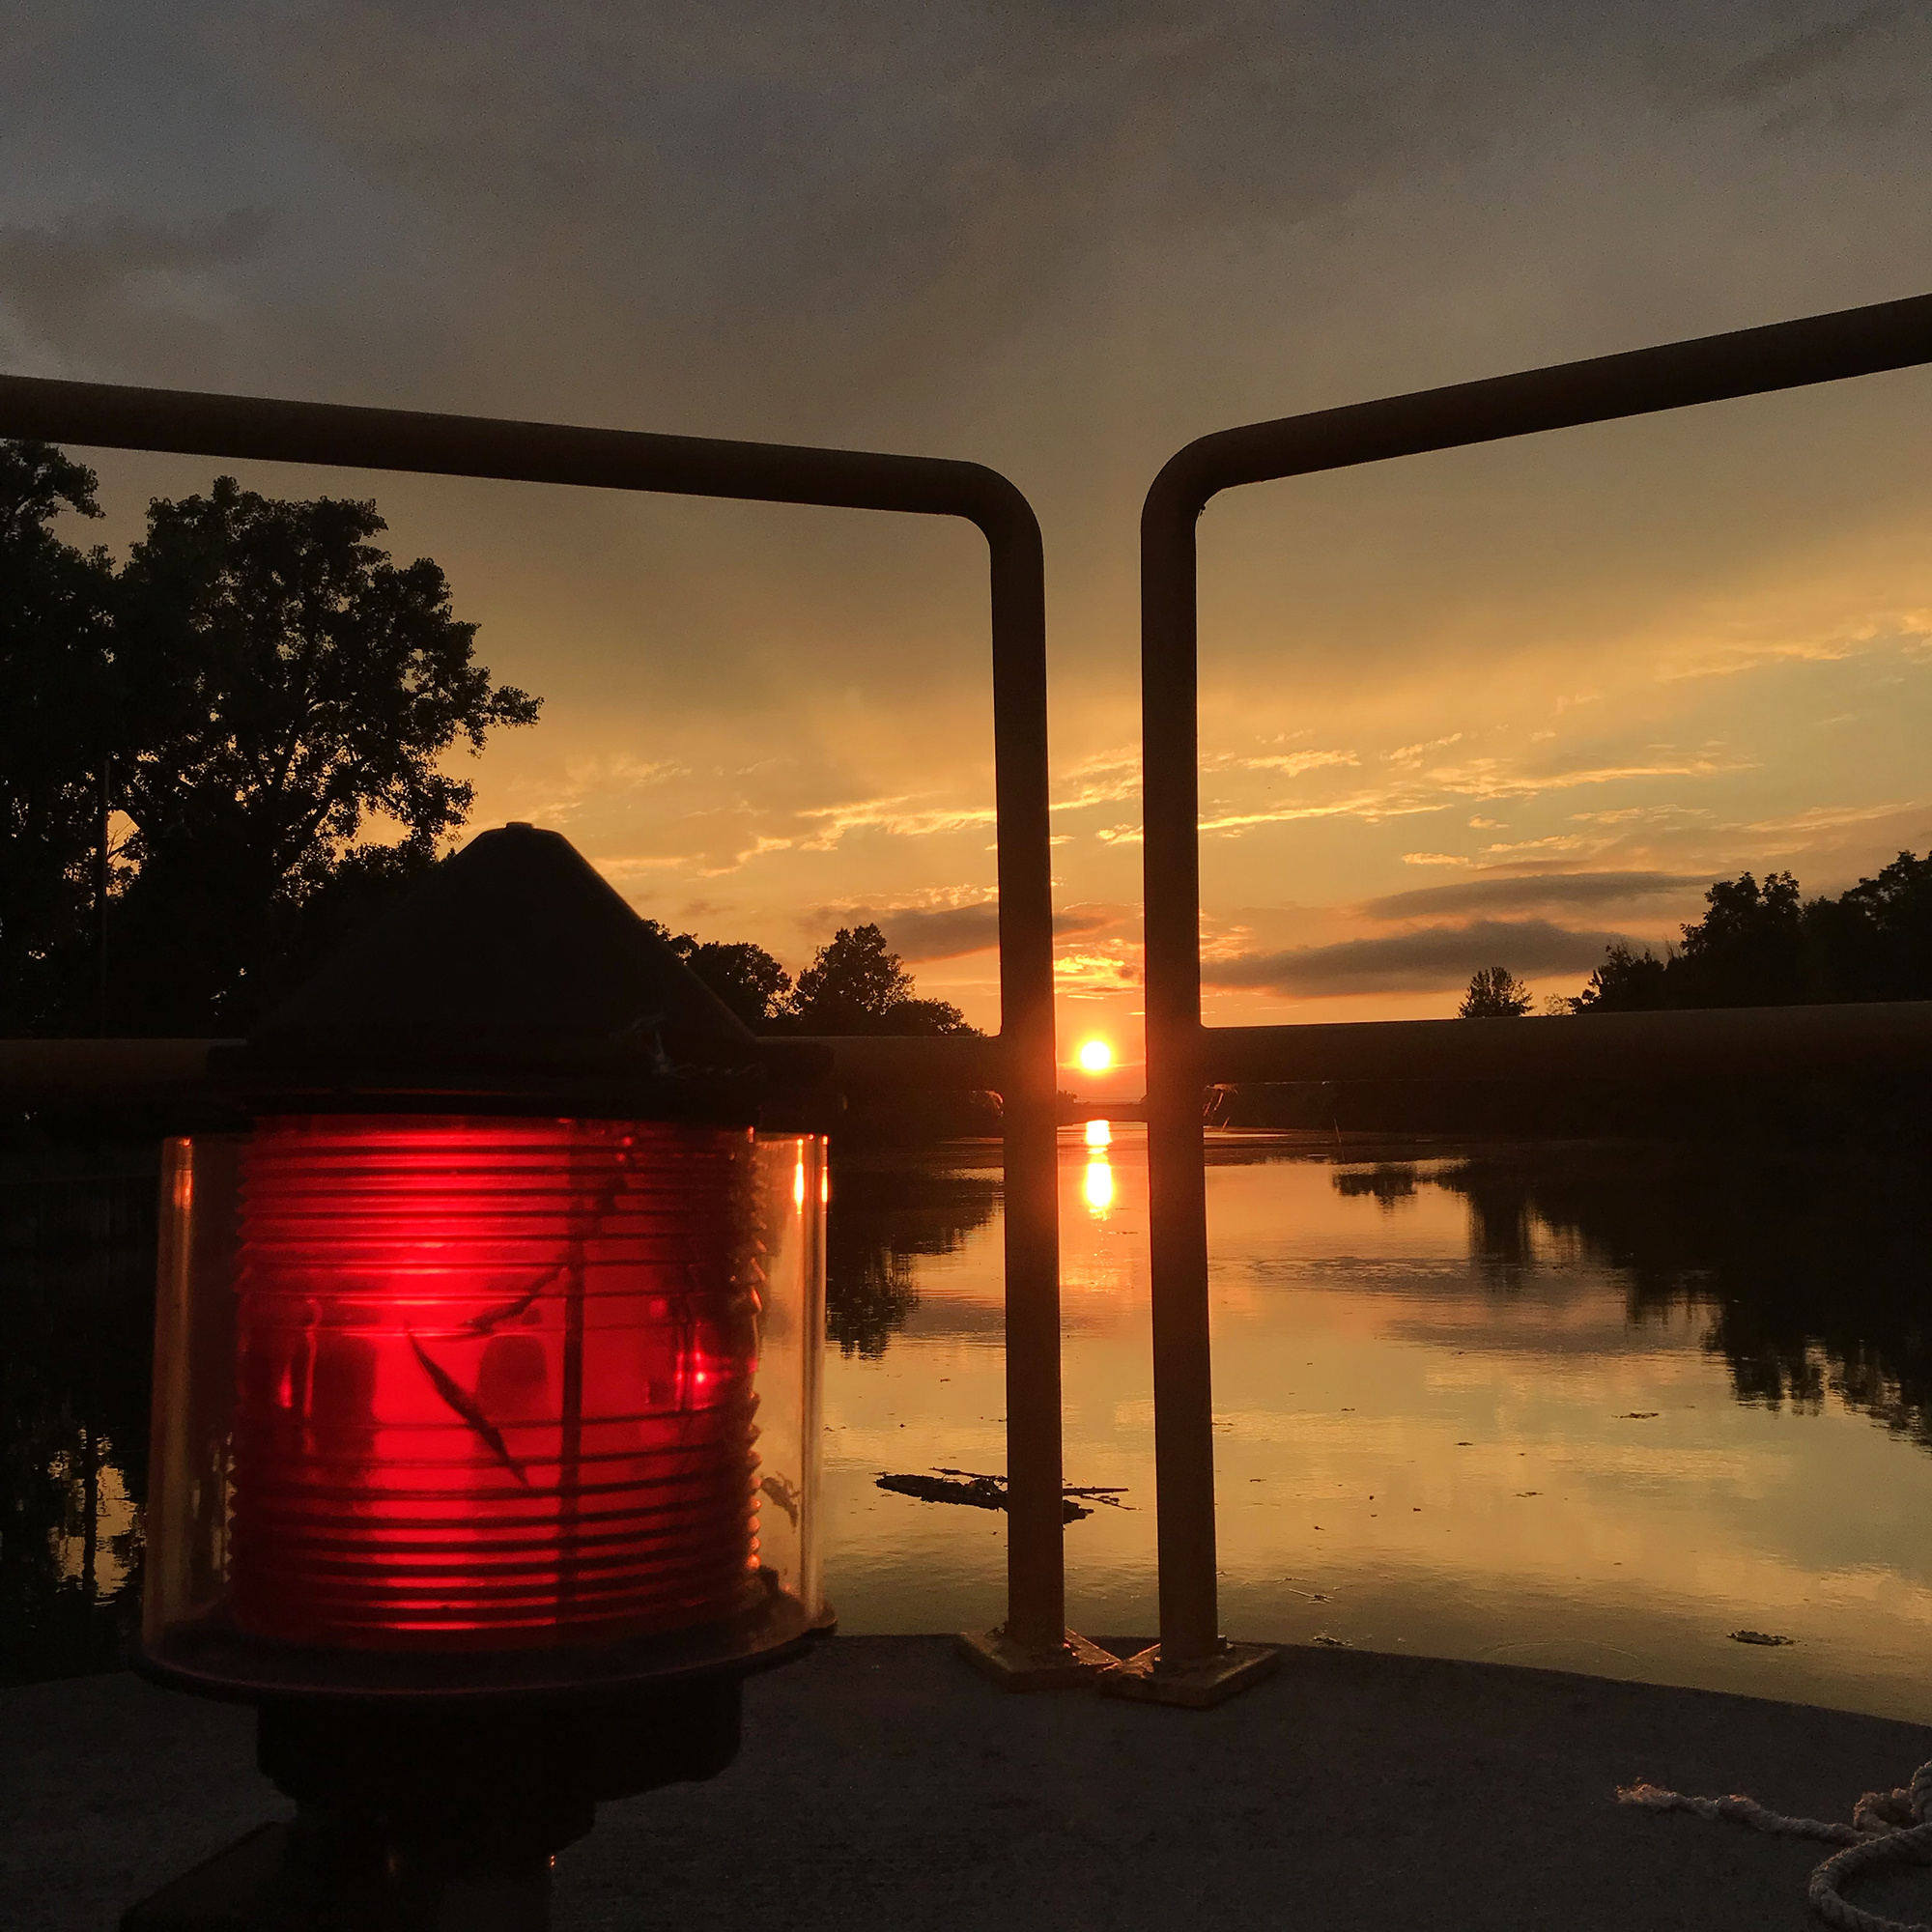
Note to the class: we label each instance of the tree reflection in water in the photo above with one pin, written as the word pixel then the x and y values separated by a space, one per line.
pixel 1386 1184
pixel 889 1213
pixel 1817 1270
pixel 76 1325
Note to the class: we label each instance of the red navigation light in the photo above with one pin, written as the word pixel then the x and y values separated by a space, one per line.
pixel 494 1380
pixel 436 1387
pixel 487 1355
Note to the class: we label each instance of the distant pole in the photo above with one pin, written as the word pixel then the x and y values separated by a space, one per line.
pixel 101 897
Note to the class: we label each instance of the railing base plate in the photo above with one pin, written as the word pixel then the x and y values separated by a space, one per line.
pixel 1195 1687
pixel 1016 1666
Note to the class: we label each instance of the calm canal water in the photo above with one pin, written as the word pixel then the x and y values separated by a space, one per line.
pixel 1587 1406
pixel 1582 1407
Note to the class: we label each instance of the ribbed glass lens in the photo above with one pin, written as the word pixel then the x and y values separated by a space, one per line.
pixel 494 1380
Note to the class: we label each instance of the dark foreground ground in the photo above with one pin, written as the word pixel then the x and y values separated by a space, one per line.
pixel 885 1788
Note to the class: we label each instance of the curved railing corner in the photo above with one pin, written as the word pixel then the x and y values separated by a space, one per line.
pixel 1034 1649
pixel 1193 1663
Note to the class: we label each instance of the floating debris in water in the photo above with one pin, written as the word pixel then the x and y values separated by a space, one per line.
pixel 1639 1416
pixel 1764 1637
pixel 1328 1642
pixel 981 1491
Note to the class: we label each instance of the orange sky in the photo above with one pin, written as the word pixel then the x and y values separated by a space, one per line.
pixel 1484 707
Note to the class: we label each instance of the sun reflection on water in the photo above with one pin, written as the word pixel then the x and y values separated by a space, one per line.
pixel 1100 1184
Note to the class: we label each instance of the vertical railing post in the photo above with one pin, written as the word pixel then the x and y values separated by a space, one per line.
pixel 1032 1650
pixel 1036 1574
pixel 1191 1664
pixel 1176 1176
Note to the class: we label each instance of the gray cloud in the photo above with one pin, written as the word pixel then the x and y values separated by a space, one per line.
pixel 1794 60
pixel 80 259
pixel 1521 893
pixel 940 932
pixel 833 191
pixel 1436 958
pixel 87 284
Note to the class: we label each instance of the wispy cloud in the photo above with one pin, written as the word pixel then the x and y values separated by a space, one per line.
pixel 1493 778
pixel 1373 807
pixel 1290 763
pixel 1831 817
pixel 1908 631
pixel 1407 754
pixel 903 817
pixel 1438 787
pixel 1642 815
pixel 1092 972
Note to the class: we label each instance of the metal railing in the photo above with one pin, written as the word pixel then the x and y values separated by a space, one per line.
pixel 1020 1064
pixel 1184 1055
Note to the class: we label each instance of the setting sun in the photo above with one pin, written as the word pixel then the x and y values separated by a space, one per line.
pixel 1096 1056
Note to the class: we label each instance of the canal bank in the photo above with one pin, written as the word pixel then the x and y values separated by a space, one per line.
pixel 884 1785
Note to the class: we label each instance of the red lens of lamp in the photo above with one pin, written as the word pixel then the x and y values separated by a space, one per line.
pixel 494 1381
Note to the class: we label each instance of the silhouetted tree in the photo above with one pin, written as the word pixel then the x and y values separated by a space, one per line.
pixel 1748 949
pixel 1764 944
pixel 59 721
pixel 291 684
pixel 858 984
pixel 1495 993
pixel 264 683
pixel 1626 983
pixel 744 976
pixel 1875 942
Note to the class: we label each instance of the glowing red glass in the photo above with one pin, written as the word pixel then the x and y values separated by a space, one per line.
pixel 494 1380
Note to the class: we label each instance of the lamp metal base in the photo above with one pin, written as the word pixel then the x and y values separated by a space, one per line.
pixel 289 1878
pixel 415 1817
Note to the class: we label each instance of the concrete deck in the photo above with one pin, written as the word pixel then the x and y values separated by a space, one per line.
pixel 884 1786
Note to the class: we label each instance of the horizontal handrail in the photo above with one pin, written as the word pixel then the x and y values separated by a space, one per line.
pixel 103 1072
pixel 1698 1044
pixel 110 1072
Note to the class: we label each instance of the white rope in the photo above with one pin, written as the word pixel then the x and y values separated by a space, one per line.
pixel 1888 1828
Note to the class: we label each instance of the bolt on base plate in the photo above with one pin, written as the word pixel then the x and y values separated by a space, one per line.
pixel 1016 1666
pixel 1196 1685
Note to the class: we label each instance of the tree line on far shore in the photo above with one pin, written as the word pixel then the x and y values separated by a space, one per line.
pixel 1759 943
pixel 240 704
pixel 855 983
